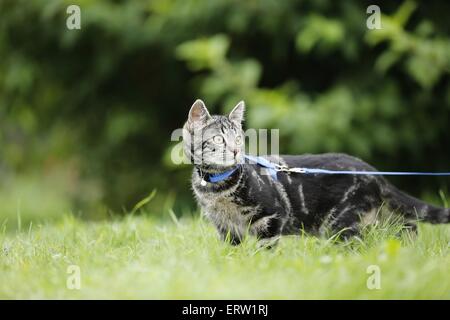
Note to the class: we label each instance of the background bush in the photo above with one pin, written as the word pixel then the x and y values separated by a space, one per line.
pixel 86 116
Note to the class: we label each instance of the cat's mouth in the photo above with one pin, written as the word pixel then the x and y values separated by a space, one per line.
pixel 217 164
pixel 214 167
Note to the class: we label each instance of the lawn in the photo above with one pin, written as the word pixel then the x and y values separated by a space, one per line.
pixel 141 257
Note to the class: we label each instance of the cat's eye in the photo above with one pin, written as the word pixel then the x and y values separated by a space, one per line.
pixel 238 140
pixel 218 139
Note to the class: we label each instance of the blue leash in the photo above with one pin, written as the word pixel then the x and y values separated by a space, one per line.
pixel 370 173
pixel 273 169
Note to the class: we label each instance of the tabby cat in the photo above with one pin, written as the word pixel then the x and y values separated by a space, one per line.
pixel 247 200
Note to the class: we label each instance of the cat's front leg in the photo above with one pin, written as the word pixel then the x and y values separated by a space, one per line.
pixel 268 230
pixel 228 236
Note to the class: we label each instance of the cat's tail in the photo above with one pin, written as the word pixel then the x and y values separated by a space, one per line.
pixel 413 208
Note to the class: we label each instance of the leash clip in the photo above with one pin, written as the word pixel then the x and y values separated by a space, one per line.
pixel 283 168
pixel 297 170
pixel 290 170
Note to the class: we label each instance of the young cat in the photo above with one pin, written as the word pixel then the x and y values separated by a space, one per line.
pixel 246 200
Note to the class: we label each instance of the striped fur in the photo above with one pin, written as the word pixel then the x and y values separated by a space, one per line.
pixel 251 202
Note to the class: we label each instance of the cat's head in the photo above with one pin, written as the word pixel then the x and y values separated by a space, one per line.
pixel 214 142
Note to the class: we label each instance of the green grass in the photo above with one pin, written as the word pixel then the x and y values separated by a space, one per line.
pixel 145 258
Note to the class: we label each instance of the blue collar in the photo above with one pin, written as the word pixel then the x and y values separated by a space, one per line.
pixel 217 177
pixel 270 167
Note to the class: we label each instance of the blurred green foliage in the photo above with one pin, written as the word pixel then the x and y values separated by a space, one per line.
pixel 93 109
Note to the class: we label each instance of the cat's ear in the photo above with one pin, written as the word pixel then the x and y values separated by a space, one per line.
pixel 237 114
pixel 198 113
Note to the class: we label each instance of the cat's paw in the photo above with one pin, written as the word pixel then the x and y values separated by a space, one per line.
pixel 268 243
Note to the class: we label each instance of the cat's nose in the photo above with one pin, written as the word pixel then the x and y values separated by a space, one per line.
pixel 235 152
